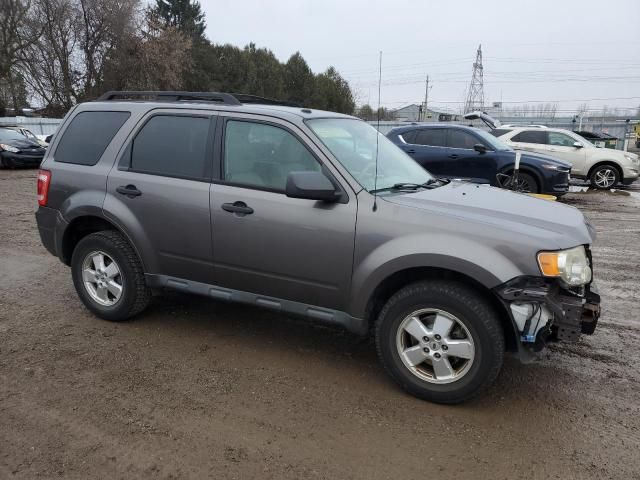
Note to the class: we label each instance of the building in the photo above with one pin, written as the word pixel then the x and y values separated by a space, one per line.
pixel 412 113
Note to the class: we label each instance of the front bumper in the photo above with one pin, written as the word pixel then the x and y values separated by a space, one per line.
pixel 20 159
pixel 564 314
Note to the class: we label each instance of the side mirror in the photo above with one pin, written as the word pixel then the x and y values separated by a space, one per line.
pixel 578 145
pixel 480 148
pixel 311 186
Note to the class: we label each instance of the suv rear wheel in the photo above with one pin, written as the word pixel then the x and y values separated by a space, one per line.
pixel 441 341
pixel 604 177
pixel 108 276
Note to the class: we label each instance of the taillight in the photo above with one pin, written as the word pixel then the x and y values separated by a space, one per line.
pixel 44 180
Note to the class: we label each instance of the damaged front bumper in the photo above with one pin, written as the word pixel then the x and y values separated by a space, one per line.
pixel 542 310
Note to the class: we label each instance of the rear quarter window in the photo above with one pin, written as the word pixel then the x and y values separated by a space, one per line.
pixel 498 132
pixel 87 136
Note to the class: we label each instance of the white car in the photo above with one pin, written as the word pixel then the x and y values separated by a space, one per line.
pixel 603 167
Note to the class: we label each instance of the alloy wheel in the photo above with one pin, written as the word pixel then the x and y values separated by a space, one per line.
pixel 605 178
pixel 435 346
pixel 102 278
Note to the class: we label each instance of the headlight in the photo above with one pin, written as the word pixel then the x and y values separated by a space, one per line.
pixel 570 265
pixel 550 166
pixel 9 148
pixel 633 159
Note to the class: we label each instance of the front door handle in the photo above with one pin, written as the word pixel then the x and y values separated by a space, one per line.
pixel 240 208
pixel 453 155
pixel 130 191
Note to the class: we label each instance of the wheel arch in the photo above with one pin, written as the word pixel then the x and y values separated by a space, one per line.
pixel 401 278
pixel 611 163
pixel 528 169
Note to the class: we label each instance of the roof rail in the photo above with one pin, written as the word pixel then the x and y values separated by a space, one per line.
pixel 170 96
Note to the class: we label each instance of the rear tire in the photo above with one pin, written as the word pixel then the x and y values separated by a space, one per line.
pixel 604 177
pixel 452 366
pixel 116 291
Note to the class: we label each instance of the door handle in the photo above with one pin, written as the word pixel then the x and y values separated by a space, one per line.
pixel 453 155
pixel 130 191
pixel 410 151
pixel 240 208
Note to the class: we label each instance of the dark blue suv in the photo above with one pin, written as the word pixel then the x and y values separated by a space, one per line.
pixel 457 151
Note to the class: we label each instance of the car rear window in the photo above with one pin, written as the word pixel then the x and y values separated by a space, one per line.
pixel 173 146
pixel 434 137
pixel 87 136
pixel 531 136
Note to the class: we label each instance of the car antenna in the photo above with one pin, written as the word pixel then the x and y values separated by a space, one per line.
pixel 375 179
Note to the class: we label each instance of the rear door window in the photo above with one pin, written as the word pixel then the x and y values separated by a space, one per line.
pixel 433 137
pixel 87 137
pixel 173 146
pixel 498 132
pixel 531 136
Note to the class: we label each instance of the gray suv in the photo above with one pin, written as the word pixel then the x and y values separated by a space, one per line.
pixel 315 214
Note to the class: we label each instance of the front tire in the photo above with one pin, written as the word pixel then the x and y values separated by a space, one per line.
pixel 604 177
pixel 108 276
pixel 440 341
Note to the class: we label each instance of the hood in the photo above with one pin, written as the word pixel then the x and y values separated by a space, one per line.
pixel 538 158
pixel 554 224
pixel 25 144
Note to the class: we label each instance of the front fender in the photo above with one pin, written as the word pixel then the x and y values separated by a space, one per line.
pixel 481 263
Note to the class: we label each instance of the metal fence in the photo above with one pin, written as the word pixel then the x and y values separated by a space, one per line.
pixel 38 126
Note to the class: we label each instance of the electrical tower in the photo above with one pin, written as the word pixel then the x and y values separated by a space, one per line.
pixel 475 98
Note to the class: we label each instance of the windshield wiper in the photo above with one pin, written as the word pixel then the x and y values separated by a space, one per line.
pixel 409 186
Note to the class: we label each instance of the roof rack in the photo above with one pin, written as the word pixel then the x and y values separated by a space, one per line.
pixel 170 96
pixel 176 96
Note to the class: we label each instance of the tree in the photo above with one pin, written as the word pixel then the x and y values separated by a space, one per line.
pixel 184 15
pixel 332 92
pixel 298 80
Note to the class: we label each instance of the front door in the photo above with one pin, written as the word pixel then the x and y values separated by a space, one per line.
pixel 159 190
pixel 265 242
pixel 562 146
pixel 467 163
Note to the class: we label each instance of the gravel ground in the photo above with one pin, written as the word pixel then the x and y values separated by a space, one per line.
pixel 194 388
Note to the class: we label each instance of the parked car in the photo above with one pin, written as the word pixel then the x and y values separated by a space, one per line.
pixel 602 140
pixel 603 167
pixel 457 151
pixel 316 214
pixel 16 150
pixel 28 134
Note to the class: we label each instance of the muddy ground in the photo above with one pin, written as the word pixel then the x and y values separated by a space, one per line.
pixel 199 389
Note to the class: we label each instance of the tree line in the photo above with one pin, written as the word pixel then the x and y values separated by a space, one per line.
pixel 61 52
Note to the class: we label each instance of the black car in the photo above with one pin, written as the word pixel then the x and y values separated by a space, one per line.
pixel 457 151
pixel 16 150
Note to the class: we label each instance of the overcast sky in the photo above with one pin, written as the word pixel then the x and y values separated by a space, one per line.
pixel 569 51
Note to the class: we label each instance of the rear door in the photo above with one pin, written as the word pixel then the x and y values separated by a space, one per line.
pixel 428 148
pixel 159 191
pixel 534 140
pixel 288 248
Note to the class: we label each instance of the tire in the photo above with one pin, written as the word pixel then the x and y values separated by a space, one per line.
pixel 526 183
pixel 604 177
pixel 134 294
pixel 471 312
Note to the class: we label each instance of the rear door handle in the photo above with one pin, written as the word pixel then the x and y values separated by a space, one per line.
pixel 240 208
pixel 130 191
pixel 453 155
pixel 410 151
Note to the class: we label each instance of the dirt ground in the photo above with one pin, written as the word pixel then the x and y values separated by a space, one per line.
pixel 199 389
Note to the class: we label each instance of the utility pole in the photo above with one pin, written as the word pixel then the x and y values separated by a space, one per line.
pixel 426 100
pixel 475 98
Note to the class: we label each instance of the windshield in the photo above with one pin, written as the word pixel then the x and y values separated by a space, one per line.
pixel 353 143
pixel 7 134
pixel 493 142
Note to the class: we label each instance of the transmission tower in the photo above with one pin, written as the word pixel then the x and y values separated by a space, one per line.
pixel 475 98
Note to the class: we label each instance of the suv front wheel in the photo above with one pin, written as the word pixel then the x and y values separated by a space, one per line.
pixel 440 340
pixel 604 177
pixel 108 276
